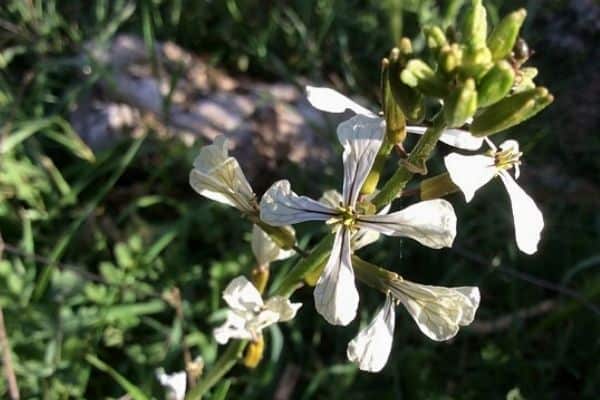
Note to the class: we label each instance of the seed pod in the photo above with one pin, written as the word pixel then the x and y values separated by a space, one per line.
pixel 461 104
pixel 474 28
pixel 511 111
pixel 495 84
pixel 408 99
pixel 417 74
pixel 436 39
pixel 503 37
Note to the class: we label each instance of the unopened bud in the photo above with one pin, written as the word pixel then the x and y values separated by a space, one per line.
pixel 503 37
pixel 254 352
pixel 461 104
pixel 450 58
pixel 511 111
pixel 408 99
pixel 417 74
pixel 524 79
pixel 436 39
pixel 476 61
pixel 495 84
pixel 260 277
pixel 474 28
pixel 437 186
pixel 284 238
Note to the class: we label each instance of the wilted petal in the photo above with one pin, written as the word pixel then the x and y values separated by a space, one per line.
pixel 458 138
pixel 281 206
pixel 529 220
pixel 470 173
pixel 431 223
pixel 438 311
pixel 175 384
pixel 282 306
pixel 241 295
pixel 336 296
pixel 361 139
pixel 234 327
pixel 220 178
pixel 264 248
pixel 371 348
pixel 329 100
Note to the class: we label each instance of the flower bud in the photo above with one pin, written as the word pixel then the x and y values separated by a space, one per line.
pixel 417 74
pixel 495 84
pixel 524 79
pixel 283 237
pixel 408 99
pixel 436 39
pixel 254 352
pixel 511 111
pixel 474 28
pixel 437 186
pixel 260 277
pixel 476 61
pixel 503 37
pixel 461 104
pixel 450 58
pixel 395 123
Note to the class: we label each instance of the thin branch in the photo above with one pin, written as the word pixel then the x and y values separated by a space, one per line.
pixel 562 289
pixel 9 372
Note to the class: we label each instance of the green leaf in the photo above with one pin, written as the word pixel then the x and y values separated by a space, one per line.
pixel 135 392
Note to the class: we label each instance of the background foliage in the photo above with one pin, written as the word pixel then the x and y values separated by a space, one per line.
pixel 118 234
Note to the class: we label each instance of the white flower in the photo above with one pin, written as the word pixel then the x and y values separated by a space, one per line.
pixel 248 315
pixel 329 100
pixel 371 348
pixel 264 248
pixel 175 383
pixel 219 177
pixel 470 173
pixel 432 223
pixel 438 311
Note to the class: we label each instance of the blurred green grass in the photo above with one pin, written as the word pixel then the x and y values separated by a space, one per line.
pixel 117 230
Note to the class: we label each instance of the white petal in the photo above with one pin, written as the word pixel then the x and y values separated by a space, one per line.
pixel 174 383
pixel 473 297
pixel 281 206
pixel 528 218
pixel 332 198
pixel 438 311
pixel 282 306
pixel 470 173
pixel 431 223
pixel 264 248
pixel 511 145
pixel 234 327
pixel 336 296
pixel 241 295
pixel 220 177
pixel 329 100
pixel 361 139
pixel 458 138
pixel 371 348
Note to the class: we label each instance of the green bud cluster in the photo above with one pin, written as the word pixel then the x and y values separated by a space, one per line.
pixel 476 74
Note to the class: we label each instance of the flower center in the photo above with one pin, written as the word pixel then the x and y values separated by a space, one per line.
pixel 347 217
pixel 507 158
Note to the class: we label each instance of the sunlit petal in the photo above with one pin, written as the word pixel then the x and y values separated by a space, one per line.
pixel 473 297
pixel 470 173
pixel 528 218
pixel 329 100
pixel 336 296
pixel 361 139
pixel 281 206
pixel 264 248
pixel 459 138
pixel 371 348
pixel 431 223
pixel 175 384
pixel 234 327
pixel 282 306
pixel 241 295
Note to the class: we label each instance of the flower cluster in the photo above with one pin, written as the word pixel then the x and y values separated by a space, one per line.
pixel 475 95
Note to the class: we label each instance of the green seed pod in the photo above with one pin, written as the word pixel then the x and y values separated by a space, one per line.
pixel 495 84
pixel 408 99
pixel 461 104
pixel 511 111
pixel 474 28
pixel 503 37
pixel 436 38
pixel 417 74
pixel 475 62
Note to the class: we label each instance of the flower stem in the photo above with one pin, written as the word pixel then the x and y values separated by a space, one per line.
pixel 224 364
pixel 415 162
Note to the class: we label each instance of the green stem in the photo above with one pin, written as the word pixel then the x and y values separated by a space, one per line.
pixel 224 364
pixel 372 275
pixel 416 160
